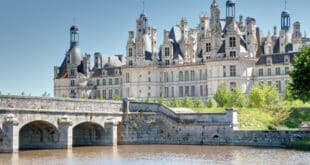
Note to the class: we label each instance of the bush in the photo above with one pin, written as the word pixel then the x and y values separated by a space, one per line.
pixel 222 95
pixel 236 98
pixel 116 98
pixel 147 100
pixel 175 102
pixel 188 102
pixel 198 103
pixel 262 95
pixel 163 101
pixel 210 103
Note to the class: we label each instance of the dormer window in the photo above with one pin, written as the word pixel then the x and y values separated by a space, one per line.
pixel 286 60
pixel 167 53
pixel 269 61
pixel 72 72
pixel 232 54
pixel 232 42
pixel 208 47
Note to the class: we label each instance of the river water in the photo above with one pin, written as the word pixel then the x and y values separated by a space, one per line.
pixel 158 154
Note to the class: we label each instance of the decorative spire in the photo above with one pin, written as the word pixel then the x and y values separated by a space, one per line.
pixel 285 4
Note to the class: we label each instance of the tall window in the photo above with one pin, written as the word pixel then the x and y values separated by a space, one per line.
pixel 269 71
pixel 233 71
pixel 116 92
pixel 104 94
pixel 192 75
pixel 72 83
pixel 166 78
pixel 186 90
pixel 207 90
pixel 260 72
pixel 127 77
pixel 116 81
pixel 180 76
pixel 224 71
pixel 181 91
pixel 72 72
pixel 278 85
pixel 167 53
pixel 110 81
pixel 278 71
pixel 232 54
pixel 110 94
pixel 130 63
pixel 201 90
pixel 130 52
pixel 206 74
pixel 287 69
pixel 232 41
pixel 193 93
pixel 172 91
pixel 172 77
pixel 166 92
pixel 200 74
pixel 186 76
pixel 208 47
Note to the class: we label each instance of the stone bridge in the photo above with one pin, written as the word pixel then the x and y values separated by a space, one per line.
pixel 39 122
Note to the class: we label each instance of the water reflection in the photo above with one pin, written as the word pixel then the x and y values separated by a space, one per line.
pixel 157 154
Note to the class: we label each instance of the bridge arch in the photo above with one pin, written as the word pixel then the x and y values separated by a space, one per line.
pixel 88 134
pixel 38 134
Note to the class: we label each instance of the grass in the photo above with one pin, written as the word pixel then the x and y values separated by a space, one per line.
pixel 264 119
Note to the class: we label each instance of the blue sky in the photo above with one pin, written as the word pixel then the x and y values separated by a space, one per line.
pixel 34 34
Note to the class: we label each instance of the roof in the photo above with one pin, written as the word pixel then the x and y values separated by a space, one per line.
pixel 276 58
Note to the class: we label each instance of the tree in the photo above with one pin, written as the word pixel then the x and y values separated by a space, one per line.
pixel 188 102
pixel 288 95
pixel 236 98
pixel 222 95
pixel 175 102
pixel 210 103
pixel 300 85
pixel 198 103
pixel 256 97
pixel 262 95
pixel 45 94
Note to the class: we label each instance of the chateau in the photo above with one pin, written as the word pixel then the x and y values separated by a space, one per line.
pixel 188 62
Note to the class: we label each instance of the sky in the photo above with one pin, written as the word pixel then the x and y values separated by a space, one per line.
pixel 34 34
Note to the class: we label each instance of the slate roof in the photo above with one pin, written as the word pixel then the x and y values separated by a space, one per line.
pixel 276 58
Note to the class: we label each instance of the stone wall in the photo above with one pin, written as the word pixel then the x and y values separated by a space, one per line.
pixel 156 124
pixel 73 105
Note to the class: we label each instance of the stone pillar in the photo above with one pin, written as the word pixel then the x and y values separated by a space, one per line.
pixel 10 132
pixel 65 132
pixel 232 117
pixel 110 133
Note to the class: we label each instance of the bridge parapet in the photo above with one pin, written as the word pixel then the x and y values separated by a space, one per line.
pixel 59 104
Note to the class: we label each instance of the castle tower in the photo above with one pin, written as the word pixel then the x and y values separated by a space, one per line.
pixel 216 28
pixel 252 42
pixel 296 37
pixel 285 19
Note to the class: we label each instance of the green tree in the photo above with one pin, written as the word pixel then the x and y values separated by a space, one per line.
pixel 188 102
pixel 222 95
pixel 210 103
pixel 236 98
pixel 271 94
pixel 175 102
pixel 300 85
pixel 198 103
pixel 147 100
pixel 288 95
pixel 262 95
pixel 256 97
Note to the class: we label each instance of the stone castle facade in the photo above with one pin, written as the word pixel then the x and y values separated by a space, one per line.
pixel 189 62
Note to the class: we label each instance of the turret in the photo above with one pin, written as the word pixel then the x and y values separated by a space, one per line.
pixel 296 37
pixel 230 9
pixel 74 36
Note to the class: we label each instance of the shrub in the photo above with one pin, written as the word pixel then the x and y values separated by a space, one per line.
pixel 163 101
pixel 236 98
pixel 188 102
pixel 222 95
pixel 175 102
pixel 262 95
pixel 256 97
pixel 210 103
pixel 116 98
pixel 147 100
pixel 198 103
